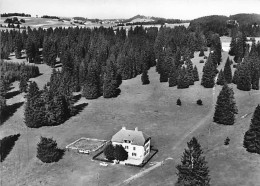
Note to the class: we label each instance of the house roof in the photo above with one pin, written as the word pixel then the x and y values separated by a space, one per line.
pixel 137 137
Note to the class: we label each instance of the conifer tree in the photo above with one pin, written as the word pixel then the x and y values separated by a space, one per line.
pixel 221 78
pixel 193 169
pixel 225 109
pixel 190 71
pixel 243 80
pixel 110 81
pixel 201 52
pixel 23 83
pixel 252 136
pixel 18 45
pixel 173 77
pixel 209 73
pixel 91 85
pixel 145 78
pixel 183 80
pixel 47 150
pixel 232 50
pixel 2 107
pixel 195 74
pixel 235 77
pixel 228 71
pixel 34 113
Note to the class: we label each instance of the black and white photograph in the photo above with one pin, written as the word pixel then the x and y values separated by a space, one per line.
pixel 129 93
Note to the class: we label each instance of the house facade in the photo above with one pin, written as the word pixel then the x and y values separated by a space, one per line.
pixel 135 142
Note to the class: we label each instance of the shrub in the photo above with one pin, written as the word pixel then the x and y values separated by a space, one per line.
pixel 201 61
pixel 109 152
pixel 235 66
pixel 47 150
pixel 199 102
pixel 179 102
pixel 227 140
pixel 120 153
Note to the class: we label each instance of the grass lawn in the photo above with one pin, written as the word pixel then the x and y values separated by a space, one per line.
pixel 152 108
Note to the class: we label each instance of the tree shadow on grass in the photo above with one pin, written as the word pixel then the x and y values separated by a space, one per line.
pixel 9 95
pixel 79 108
pixel 9 111
pixel 6 145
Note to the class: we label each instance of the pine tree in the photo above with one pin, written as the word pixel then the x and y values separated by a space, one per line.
pixel 173 77
pixel 244 77
pixel 145 78
pixel 221 78
pixel 209 73
pixel 178 102
pixel 235 77
pixel 228 71
pixel 23 83
pixel 195 74
pixel 252 136
pixel 193 169
pixel 91 85
pixel 201 52
pixel 190 71
pixel 34 113
pixel 232 50
pixel 47 150
pixel 183 79
pixel 225 109
pixel 2 108
pixel 18 45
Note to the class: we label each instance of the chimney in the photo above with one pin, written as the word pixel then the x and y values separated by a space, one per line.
pixel 123 128
pixel 136 128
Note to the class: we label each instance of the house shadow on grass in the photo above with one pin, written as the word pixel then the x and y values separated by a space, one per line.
pixel 9 111
pixel 7 145
pixel 12 94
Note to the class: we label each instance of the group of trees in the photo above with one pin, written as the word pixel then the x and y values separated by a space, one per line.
pixel 115 152
pixel 247 73
pixel 50 106
pixel 225 76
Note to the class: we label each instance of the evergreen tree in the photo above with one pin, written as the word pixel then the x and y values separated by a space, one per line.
pixel 3 87
pixel 235 77
pixel 109 152
pixel 209 73
pixel 30 50
pixel 221 78
pixel 23 83
pixel 232 50
pixel 47 150
pixel 190 71
pixel 183 79
pixel 18 45
pixel 2 108
pixel 34 113
pixel 201 52
pixel 91 86
pixel 110 85
pixel 178 102
pixel 243 80
pixel 145 78
pixel 193 169
pixel 225 109
pixel 228 71
pixel 252 136
pixel 173 77
pixel 120 153
pixel 195 74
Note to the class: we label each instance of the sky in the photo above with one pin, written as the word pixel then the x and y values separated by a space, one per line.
pixel 102 9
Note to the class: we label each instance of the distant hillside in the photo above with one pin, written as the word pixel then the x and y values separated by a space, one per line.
pixel 244 19
pixel 138 18
pixel 218 23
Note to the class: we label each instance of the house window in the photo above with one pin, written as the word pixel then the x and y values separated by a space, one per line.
pixel 133 148
pixel 133 154
pixel 126 147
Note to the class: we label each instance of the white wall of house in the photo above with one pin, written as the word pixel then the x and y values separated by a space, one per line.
pixel 134 151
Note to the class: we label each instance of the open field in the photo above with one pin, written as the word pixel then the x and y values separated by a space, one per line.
pixel 152 108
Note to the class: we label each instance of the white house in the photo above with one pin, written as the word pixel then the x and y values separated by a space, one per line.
pixel 135 142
